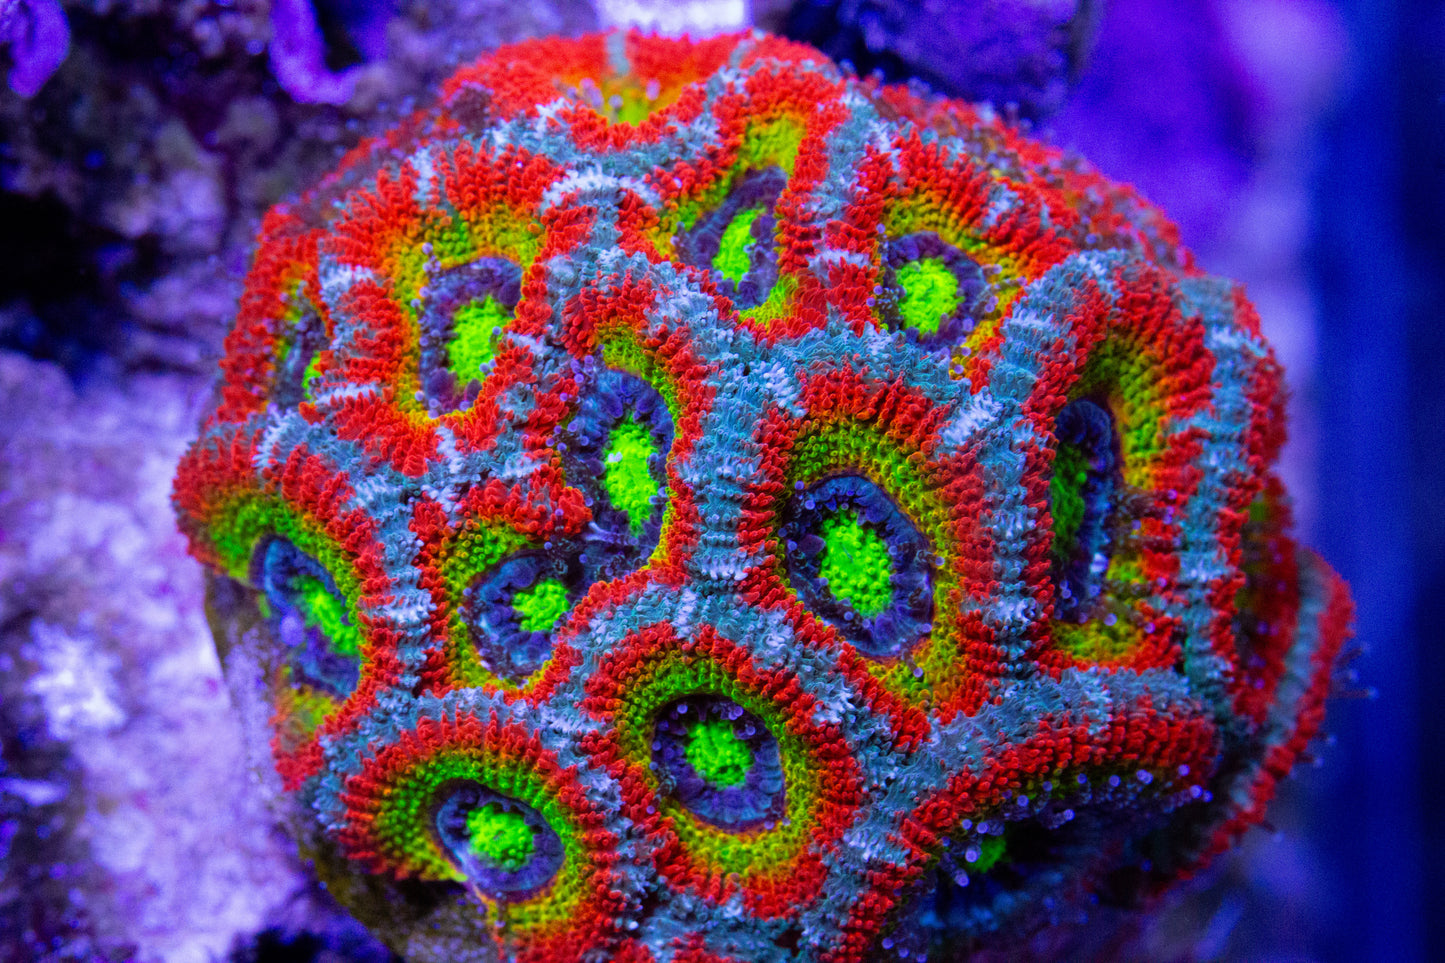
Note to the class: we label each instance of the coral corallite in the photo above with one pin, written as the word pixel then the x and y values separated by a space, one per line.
pixel 674 501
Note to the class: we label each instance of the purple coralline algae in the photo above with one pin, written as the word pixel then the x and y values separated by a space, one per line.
pixel 38 39
pixel 675 501
pixel 1018 54
pixel 127 830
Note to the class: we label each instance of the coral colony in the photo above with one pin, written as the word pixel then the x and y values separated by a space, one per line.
pixel 675 501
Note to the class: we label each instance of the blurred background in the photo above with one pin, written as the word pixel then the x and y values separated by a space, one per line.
pixel 1300 144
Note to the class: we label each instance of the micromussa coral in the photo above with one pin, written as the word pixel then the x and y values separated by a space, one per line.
pixel 677 501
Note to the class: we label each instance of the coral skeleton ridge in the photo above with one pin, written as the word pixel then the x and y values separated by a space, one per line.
pixel 677 502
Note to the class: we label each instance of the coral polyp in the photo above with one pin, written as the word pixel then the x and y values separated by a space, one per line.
pixel 679 502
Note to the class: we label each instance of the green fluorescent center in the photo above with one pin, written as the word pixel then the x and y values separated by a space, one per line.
pixel 626 478
pixel 856 563
pixel 1066 497
pixel 311 374
pixel 325 612
pixel 991 849
pixel 717 754
pixel 474 325
pixel 500 836
pixel 541 605
pixel 732 253
pixel 930 293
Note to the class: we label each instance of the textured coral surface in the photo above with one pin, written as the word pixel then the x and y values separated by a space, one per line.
pixel 127 831
pixel 676 502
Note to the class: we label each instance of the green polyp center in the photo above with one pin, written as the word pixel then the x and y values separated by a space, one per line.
pixel 473 328
pixel 634 107
pixel 541 605
pixel 325 612
pixel 991 849
pixel 501 836
pixel 930 293
pixel 310 374
pixel 627 478
pixel 732 253
pixel 856 564
pixel 716 753
pixel 1066 497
